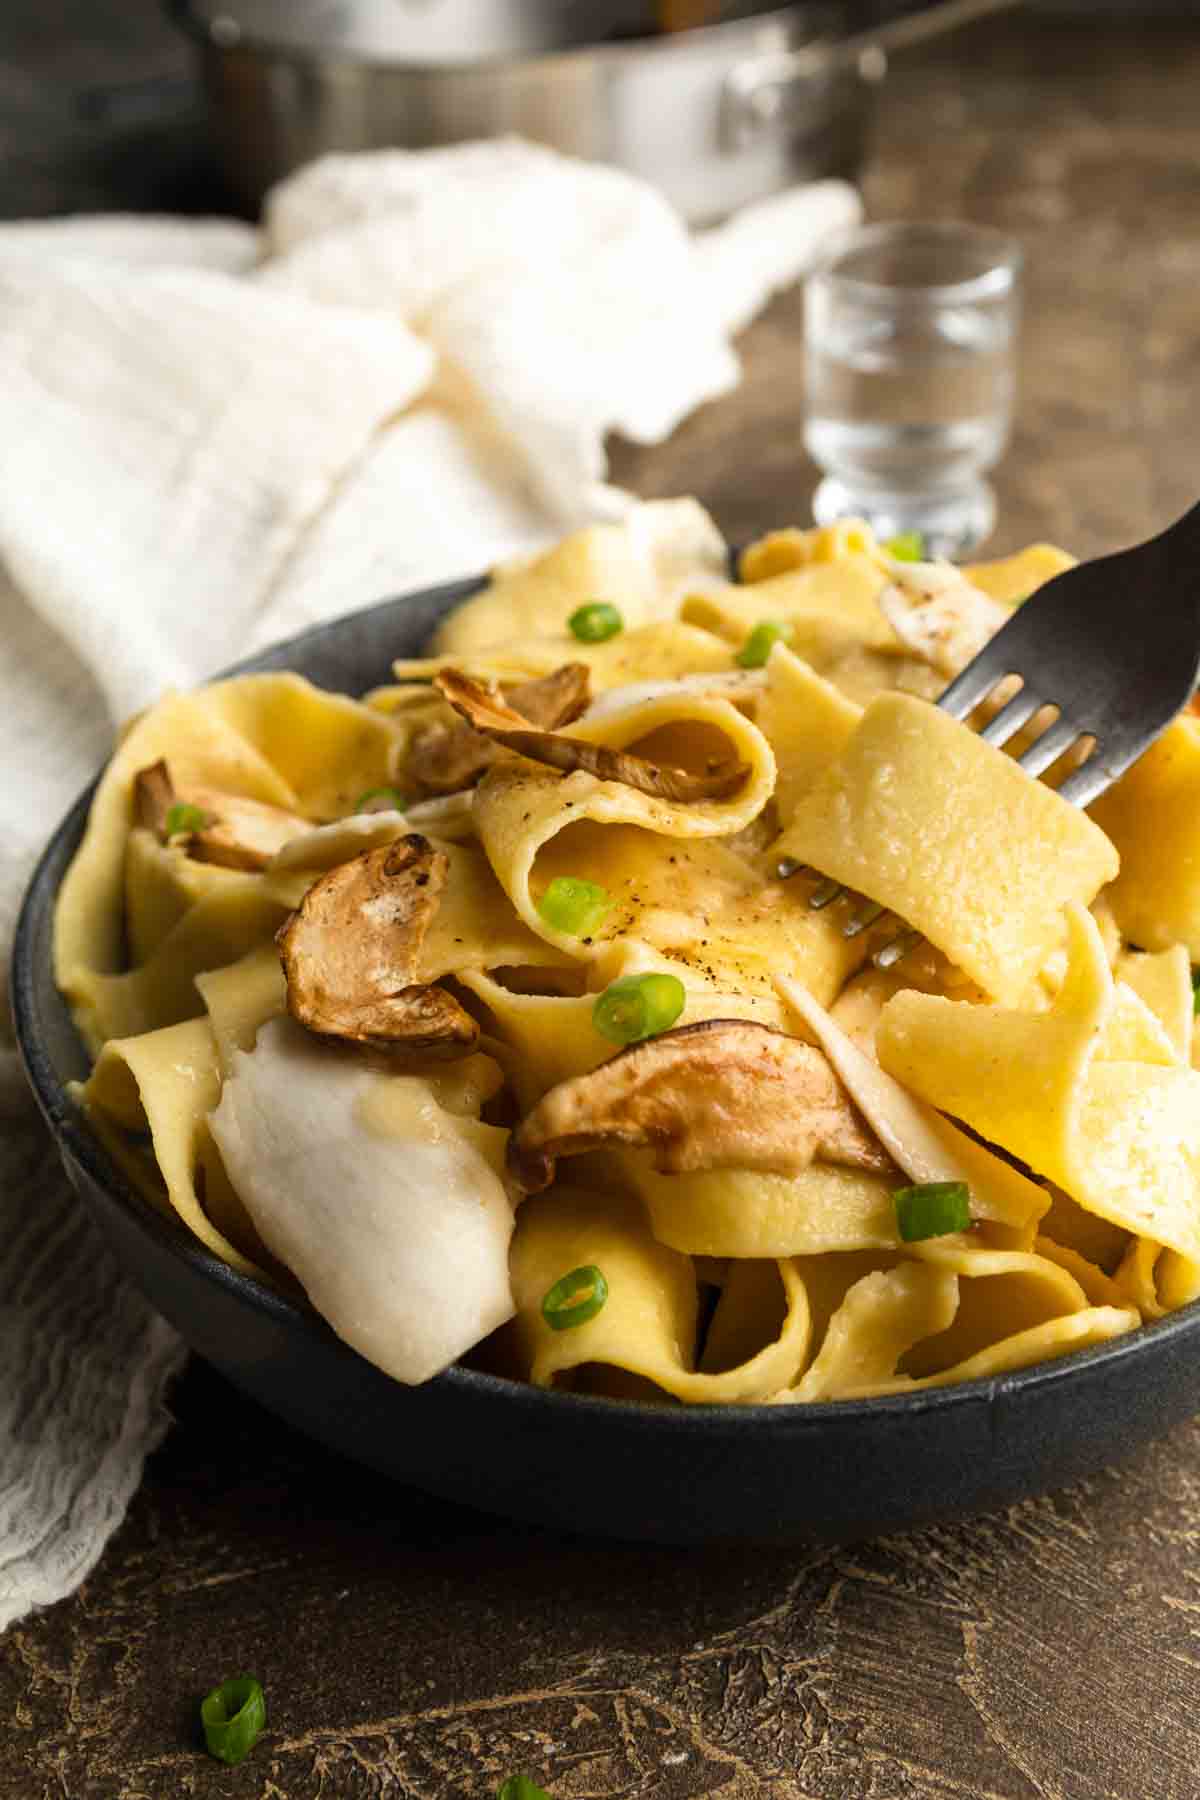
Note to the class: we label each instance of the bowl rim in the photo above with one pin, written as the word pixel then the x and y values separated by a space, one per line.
pixel 74 1137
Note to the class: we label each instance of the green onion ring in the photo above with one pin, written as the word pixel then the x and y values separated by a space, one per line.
pixel 637 1007
pixel 233 1716
pixel 575 1298
pixel 762 640
pixel 932 1209
pixel 183 819
pixel 392 800
pixel 574 905
pixel 596 623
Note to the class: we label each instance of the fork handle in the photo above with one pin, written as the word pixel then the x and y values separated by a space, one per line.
pixel 1178 547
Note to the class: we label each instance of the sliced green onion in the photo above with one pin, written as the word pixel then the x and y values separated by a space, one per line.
pixel 595 623
pixel 1196 990
pixel 572 904
pixel 381 799
pixel 183 819
pixel 574 1298
pixel 762 640
pixel 233 1716
pixel 932 1210
pixel 908 546
pixel 519 1787
pixel 637 1007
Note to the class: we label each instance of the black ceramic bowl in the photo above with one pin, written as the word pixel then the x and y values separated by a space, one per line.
pixel 679 1475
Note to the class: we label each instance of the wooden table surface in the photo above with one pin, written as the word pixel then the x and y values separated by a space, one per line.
pixel 411 1648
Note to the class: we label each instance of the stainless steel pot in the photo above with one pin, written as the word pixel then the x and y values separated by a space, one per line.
pixel 716 116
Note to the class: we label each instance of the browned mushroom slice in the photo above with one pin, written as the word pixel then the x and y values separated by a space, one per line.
pixel 726 1093
pixel 489 712
pixel 153 797
pixel 351 949
pixel 549 701
pixel 444 759
pixel 236 832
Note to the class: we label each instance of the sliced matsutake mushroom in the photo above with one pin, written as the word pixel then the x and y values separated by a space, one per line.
pixel 725 1093
pixel 236 833
pixel 488 712
pixel 444 759
pixel 351 950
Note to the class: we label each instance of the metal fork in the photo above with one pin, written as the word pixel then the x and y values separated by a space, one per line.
pixel 1112 646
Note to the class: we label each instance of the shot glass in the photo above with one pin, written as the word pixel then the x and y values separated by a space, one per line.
pixel 910 336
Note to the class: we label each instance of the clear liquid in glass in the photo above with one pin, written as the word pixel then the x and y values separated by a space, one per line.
pixel 907 412
pixel 909 388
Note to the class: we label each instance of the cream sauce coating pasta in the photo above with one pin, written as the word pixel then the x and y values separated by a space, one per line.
pixel 1036 1052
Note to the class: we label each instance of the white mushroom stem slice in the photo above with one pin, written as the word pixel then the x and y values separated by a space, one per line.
pixel 487 711
pixel 350 954
pixel 326 846
pixel 237 833
pixel 399 1237
pixel 725 1093
pixel 938 615
pixel 743 688
pixel 447 758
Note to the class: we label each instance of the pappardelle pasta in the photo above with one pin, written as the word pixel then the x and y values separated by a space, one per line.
pixel 492 1012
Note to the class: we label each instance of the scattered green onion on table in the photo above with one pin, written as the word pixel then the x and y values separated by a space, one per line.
pixel 233 1716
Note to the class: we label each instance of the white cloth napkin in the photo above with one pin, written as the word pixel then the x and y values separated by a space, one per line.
pixel 211 437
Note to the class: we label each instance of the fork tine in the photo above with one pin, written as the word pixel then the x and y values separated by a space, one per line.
pixel 1087 781
pixel 1009 720
pixel 863 919
pixel 896 949
pixel 826 894
pixel 973 685
pixel 1049 747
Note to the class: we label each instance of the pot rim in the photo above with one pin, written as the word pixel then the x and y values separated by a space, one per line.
pixel 772 29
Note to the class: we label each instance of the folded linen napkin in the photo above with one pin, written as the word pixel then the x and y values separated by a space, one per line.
pixel 212 437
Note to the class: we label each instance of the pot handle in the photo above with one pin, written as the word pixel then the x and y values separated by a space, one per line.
pixel 756 89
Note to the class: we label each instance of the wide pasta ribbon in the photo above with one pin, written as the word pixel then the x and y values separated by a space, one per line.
pixel 846 588
pixel 1091 1093
pixel 922 816
pixel 272 738
pixel 642 563
pixel 956 1311
pixel 925 1146
pixel 520 805
pixel 648 1323
pixel 550 1037
pixel 670 882
pixel 665 650
pixel 806 720
pixel 166 1083
pixel 1152 815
